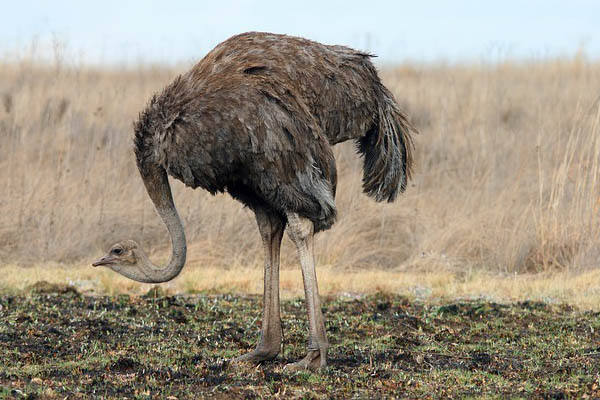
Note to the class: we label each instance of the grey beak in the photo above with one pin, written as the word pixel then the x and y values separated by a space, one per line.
pixel 102 261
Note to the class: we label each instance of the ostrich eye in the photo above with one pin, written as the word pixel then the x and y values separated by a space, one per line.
pixel 117 251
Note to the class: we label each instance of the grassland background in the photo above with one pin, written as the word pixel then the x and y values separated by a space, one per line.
pixel 504 201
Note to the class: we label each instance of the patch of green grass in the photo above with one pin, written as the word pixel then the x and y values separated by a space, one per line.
pixel 64 344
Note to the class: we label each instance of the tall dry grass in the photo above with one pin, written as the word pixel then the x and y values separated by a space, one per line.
pixel 507 176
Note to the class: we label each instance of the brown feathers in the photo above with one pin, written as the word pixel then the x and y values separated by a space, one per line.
pixel 258 115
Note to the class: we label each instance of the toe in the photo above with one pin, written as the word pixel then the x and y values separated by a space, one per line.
pixel 297 366
pixel 312 361
pixel 255 356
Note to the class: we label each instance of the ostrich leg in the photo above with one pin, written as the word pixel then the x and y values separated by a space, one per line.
pixel 271 229
pixel 301 232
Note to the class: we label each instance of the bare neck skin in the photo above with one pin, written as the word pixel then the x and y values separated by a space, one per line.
pixel 157 185
pixel 147 272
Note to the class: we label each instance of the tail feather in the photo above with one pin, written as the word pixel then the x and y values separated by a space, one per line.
pixel 387 150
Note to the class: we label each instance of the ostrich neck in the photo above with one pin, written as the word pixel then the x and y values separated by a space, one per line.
pixel 157 186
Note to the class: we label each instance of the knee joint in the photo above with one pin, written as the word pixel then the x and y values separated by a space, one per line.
pixel 299 229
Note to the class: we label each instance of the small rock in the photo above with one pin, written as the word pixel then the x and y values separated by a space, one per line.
pixel 419 359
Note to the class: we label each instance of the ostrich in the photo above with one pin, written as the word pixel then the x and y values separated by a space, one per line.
pixel 257 117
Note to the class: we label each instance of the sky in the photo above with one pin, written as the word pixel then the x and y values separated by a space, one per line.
pixel 124 32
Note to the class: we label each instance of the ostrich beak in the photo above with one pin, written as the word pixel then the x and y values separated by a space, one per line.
pixel 103 261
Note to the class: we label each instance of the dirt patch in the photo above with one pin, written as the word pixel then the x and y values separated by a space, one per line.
pixel 43 287
pixel 125 364
pixel 57 344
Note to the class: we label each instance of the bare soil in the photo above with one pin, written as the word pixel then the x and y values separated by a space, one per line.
pixel 56 343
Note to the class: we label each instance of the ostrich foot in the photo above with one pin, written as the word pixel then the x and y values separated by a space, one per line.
pixel 313 361
pixel 257 356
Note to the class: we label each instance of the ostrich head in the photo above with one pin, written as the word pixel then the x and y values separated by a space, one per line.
pixel 125 257
pixel 129 259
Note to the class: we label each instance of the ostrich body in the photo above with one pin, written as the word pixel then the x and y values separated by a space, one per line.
pixel 257 117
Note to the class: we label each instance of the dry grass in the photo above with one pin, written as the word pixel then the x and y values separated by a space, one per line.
pixel 580 289
pixel 507 181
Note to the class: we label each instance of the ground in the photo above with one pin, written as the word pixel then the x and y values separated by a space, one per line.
pixel 56 343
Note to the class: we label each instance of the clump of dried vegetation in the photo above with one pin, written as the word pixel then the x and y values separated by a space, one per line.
pixel 506 181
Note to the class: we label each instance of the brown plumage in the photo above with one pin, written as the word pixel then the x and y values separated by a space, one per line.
pixel 257 117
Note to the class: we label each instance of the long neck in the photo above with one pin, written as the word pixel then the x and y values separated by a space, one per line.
pixel 157 185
